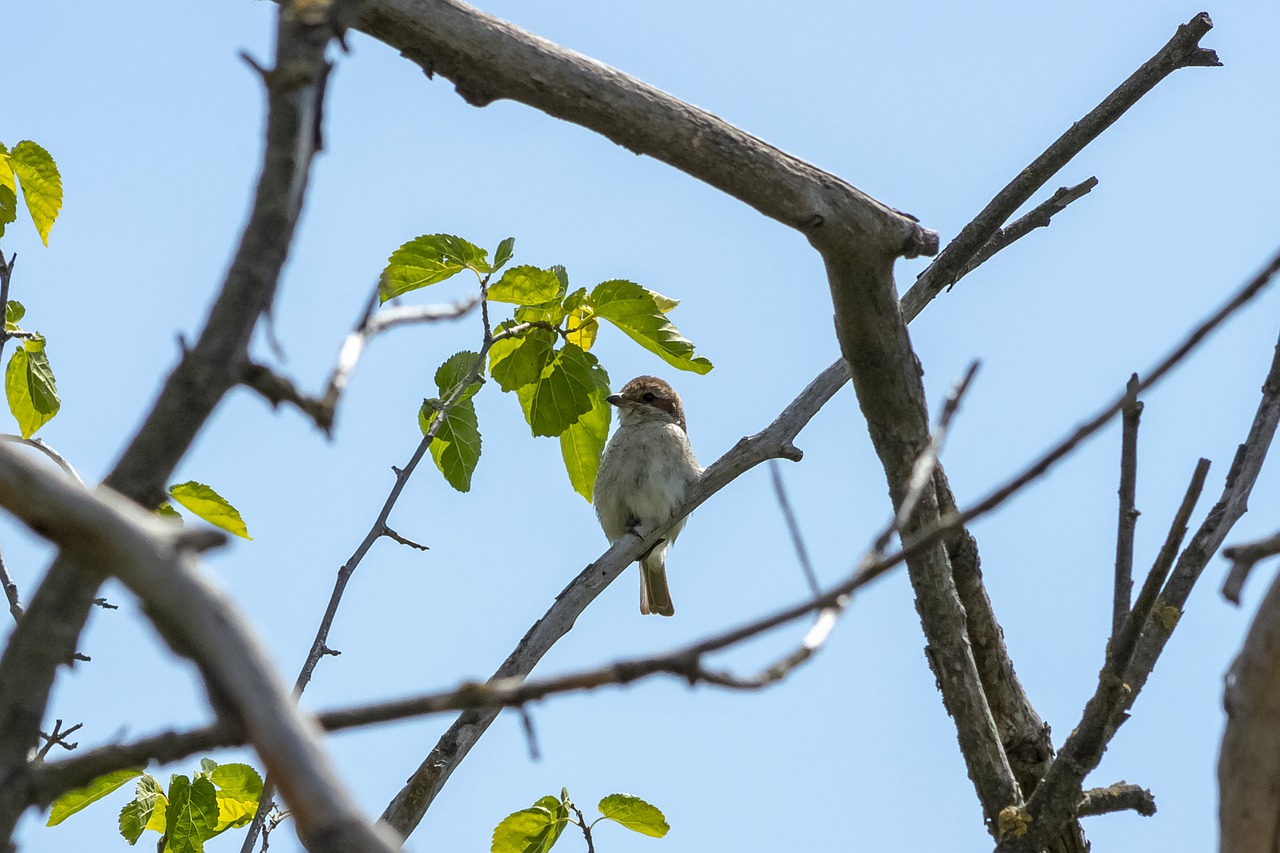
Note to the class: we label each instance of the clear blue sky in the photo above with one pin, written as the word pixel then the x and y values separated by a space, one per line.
pixel 156 125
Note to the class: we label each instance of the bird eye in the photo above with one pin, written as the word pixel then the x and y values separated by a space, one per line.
pixel 648 397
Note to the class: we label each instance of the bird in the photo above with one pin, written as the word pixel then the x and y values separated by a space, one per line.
pixel 646 468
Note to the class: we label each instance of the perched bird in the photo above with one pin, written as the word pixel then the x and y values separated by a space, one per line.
pixel 643 474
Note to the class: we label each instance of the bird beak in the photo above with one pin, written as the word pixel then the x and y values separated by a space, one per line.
pixel 615 399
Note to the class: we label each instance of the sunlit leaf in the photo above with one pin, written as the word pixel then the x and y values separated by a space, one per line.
pixel 204 502
pixel 638 313
pixel 518 361
pixel 503 253
pixel 192 814
pixel 75 800
pixel 30 387
pixel 427 260
pixel 526 285
pixel 140 814
pixel 8 203
pixel 456 446
pixel 583 442
pixel 635 814
pixel 533 830
pixel 41 184
pixel 562 393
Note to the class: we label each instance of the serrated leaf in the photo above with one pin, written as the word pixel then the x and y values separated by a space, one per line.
pixel 75 800
pixel 638 313
pixel 192 814
pixel 202 501
pixel 562 393
pixel 207 766
pixel 429 259
pixel 532 830
pixel 166 509
pixel 518 361
pixel 238 781
pixel 635 814
pixel 503 253
pixel 582 444
pixel 41 184
pixel 6 171
pixel 14 311
pixel 30 387
pixel 454 370
pixel 526 285
pixel 8 202
pixel 140 814
pixel 552 312
pixel 456 446
pixel 561 273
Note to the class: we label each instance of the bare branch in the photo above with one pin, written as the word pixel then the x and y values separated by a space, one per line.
pixel 323 409
pixel 153 557
pixel 793 527
pixel 47 635
pixel 39 444
pixel 1243 558
pixel 488 59
pixel 1039 217
pixel 1182 51
pixel 1116 798
pixel 1128 520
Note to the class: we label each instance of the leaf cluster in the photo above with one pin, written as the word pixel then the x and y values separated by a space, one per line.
pixel 193 810
pixel 537 828
pixel 541 354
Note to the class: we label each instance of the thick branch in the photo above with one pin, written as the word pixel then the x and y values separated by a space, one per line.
pixel 154 559
pixel 48 633
pixel 489 59
pixel 1181 51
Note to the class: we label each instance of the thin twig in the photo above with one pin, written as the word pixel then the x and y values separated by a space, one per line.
pixel 1128 520
pixel 1054 801
pixel 1243 558
pixel 58 737
pixel 1182 51
pixel 1039 217
pixel 10 591
pixel 927 462
pixel 793 527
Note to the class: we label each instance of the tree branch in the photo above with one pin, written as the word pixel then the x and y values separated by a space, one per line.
pixel 153 557
pixel 1182 51
pixel 1128 520
pixel 489 59
pixel 1243 558
pixel 50 629
pixel 1116 798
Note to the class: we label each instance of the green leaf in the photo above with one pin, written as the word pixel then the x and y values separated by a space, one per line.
pixel 30 387
pixel 526 285
pixel 635 814
pixel 41 184
pixel 533 830
pixel 664 303
pixel 192 814
pixel 6 171
pixel 429 259
pixel 14 311
pixel 561 273
pixel 237 781
pixel 583 442
pixel 141 814
pixel 519 361
pixel 8 202
pixel 166 509
pixel 207 766
pixel 638 313
pixel 562 393
pixel 455 369
pixel 207 504
pixel 503 253
pixel 552 312
pixel 76 799
pixel 456 446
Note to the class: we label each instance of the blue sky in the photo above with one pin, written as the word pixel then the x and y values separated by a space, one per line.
pixel 156 125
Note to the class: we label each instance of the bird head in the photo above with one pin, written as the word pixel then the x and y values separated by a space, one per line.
pixel 648 398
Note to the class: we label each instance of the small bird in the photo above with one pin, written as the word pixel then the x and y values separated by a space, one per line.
pixel 643 475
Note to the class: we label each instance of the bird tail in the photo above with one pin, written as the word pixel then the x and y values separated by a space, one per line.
pixel 655 595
